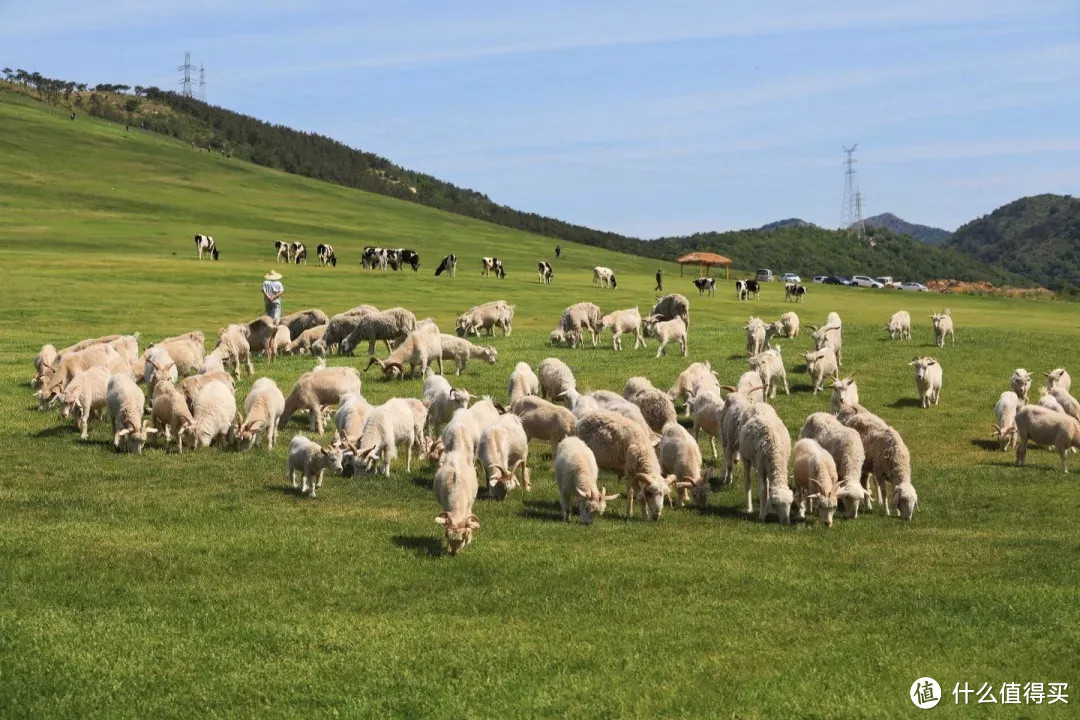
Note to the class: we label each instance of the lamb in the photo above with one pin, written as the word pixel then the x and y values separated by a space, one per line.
pixel 303 320
pixel 234 349
pixel 696 378
pixel 85 394
pixel 623 321
pixel 666 331
pixel 215 408
pixel 214 362
pixel 169 412
pixel 899 326
pixel 125 401
pixel 190 387
pixel 844 393
pixel 46 357
pixel 576 318
pixel 815 480
pixel 455 488
pixel 789 324
pixel 396 421
pixel 420 347
pixel 1059 378
pixel 304 341
pixel 1046 427
pixel 461 351
pixel 680 456
pixel 943 325
pixel 71 363
pixel 263 406
pixel 755 335
pixel 655 406
pixel 765 446
pixel 341 326
pixel 575 474
pixel 887 458
pixel 523 381
pixel 819 364
pixel 1005 411
pixel 1021 383
pixel 622 445
pixel 770 368
pixel 465 427
pixel 706 408
pixel 497 314
pixel 392 325
pixel 672 306
pixel 317 388
pixel 555 378
pixel 502 448
pixel 830 335
pixel 543 420
pixel 846 448
pixel 311 460
pixel 351 417
pixel 927 380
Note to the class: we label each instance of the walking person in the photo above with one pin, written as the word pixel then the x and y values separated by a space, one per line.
pixel 659 281
pixel 272 290
pixel 558 251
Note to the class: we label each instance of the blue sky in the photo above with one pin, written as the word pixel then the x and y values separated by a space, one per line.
pixel 647 118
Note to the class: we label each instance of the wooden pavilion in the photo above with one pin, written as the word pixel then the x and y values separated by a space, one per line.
pixel 705 260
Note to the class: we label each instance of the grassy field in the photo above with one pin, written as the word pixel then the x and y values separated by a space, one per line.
pixel 198 585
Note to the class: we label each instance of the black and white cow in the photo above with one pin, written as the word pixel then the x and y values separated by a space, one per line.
pixel 284 251
pixel 299 253
pixel 205 244
pixel 487 264
pixel 543 272
pixel 753 287
pixel 742 289
pixel 794 292
pixel 705 285
pixel 374 257
pixel 448 266
pixel 410 258
pixel 326 255
pixel 499 271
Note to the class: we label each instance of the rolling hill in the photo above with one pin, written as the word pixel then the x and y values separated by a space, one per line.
pixel 926 233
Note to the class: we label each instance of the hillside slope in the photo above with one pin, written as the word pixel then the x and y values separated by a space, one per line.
pixel 1038 237
pixel 926 233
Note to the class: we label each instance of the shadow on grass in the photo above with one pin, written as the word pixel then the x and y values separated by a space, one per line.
pixel 56 431
pixel 546 510
pixel 907 403
pixel 420 545
pixel 284 488
pixel 986 444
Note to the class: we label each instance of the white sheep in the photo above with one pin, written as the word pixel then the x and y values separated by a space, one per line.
pixel 318 388
pixel 126 401
pixel 461 351
pixel 502 449
pixel 672 306
pixel 555 378
pixel 769 366
pixel 215 408
pixel 582 405
pixel 1043 426
pixel 465 427
pixel 750 385
pixel 928 377
pixel 455 488
pixel 396 421
pixel 523 381
pixel 419 348
pixel 45 358
pixel 666 331
pixel 943 325
pixel 830 335
pixel 301 321
pixel 351 416
pixel 696 378
pixel 310 460
pixel 392 325
pixel 734 412
pixel 305 340
pixel 263 407
pixel 789 325
pixel 821 364
pixel 765 447
pixel 755 335
pixel 575 474
pixel 635 385
pixel 899 326
pixel 1047 400
pixel 575 320
pixel 887 457
pixel 844 393
pixel 705 408
pixel 341 326
pixel 497 314
pixel 543 420
pixel 655 406
pixel 1005 411
pixel 159 365
pixel 169 412
pixel 1021 383
pixel 85 395
pixel 187 350
pixel 193 385
pixel 846 448
pixel 680 456
pixel 71 363
pixel 816 480
pixel 1059 378
pixel 623 321
pixel 1068 403
pixel 442 401
pixel 233 349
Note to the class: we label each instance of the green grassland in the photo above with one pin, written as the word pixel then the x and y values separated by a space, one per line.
pixel 199 585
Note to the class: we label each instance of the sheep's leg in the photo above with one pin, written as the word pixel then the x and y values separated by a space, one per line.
pixel 84 425
pixel 682 342
pixel 787 390
pixel 247 360
pixel 639 341
pixel 712 444
pixel 749 484
pixel 292 477
pixel 1021 450
pixel 763 494
pixel 564 503
pixel 660 350
pixel 629 497
pixel 1063 450
pixel 883 494
pixel 408 456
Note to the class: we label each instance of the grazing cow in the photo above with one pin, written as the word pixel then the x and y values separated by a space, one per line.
pixel 326 255
pixel 375 257
pixel 410 258
pixel 205 244
pixel 705 285
pixel 448 266
pixel 543 272
pixel 753 287
pixel 740 290
pixel 284 251
pixel 794 292
pixel 299 253
pixel 489 265
pixel 604 277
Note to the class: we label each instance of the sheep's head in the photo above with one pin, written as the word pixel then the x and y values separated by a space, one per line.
pixel 852 496
pixel 922 366
pixel 779 501
pixel 461 325
pixel 845 392
pixel 501 481
pixel 825 500
pixel 1004 436
pixel 131 439
pixel 332 458
pixel 557 337
pixel 698 489
pixel 651 493
pixel 318 348
pixel 905 500
pixel 68 406
pixel 592 505
pixel 458 535
pixel 491 354
pixel 1057 377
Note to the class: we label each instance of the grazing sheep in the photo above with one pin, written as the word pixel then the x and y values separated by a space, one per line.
pixel 83 344
pixel 844 393
pixel 317 388
pixel 696 378
pixel 830 335
pixel 461 351
pixel 159 366
pixel 655 406
pixel 680 456
pixel 127 346
pixel 1068 403
pixel 523 381
pixel 170 412
pixel 455 488
pixel 420 347
pixel 819 364
pixel 666 331
pixel 815 480
pixel 672 306
pixel 187 351
pixel 577 318
pixel 899 326
pixel 755 335
pixel 502 448
pixel 731 418
pixel 214 362
pixel 396 421
pixel 442 402
pixel 300 322
pixel 215 408
pixel 750 385
pixel 190 387
pixel 351 417
pixel 304 341
pixel 623 321
pixel 765 447
pixel 263 406
pixel 943 325
pixel 342 325
pixel 125 401
pixel 1021 383
pixel 467 424
pixel 1047 400
pixel 1005 411
pixel 46 357
pixel 635 385
pixel 705 407
pixel 928 378
pixel 575 474
pixel 234 349
pixel 261 334
pixel 887 458
pixel 1044 426
pixel 311 460
pixel 392 325
pixel 582 405
pixel 279 343
pixel 497 314
pixel 1059 378
pixel 846 448
pixel 544 420
pixel 555 378
pixel 622 445
pixel 69 364
pixel 84 395
pixel 769 366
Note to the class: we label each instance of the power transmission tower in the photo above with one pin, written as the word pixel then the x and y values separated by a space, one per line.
pixel 848 211
pixel 202 82
pixel 186 68
pixel 857 226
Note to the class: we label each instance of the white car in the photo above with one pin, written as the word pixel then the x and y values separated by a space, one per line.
pixel 914 287
pixel 791 278
pixel 865 281
pixel 820 278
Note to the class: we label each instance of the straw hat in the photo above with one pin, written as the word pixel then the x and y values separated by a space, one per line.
pixel 272 275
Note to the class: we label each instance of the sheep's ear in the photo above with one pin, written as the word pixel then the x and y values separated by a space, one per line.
pixel 932 361
pixel 913 361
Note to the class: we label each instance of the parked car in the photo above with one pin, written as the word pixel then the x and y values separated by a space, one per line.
pixel 791 278
pixel 866 281
pixel 764 275
pixel 820 278
pixel 888 282
pixel 836 280
pixel 914 287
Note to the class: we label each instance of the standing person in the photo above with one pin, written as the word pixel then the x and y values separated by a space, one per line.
pixel 558 251
pixel 272 291
pixel 659 281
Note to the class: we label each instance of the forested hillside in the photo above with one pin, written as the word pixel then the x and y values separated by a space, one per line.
pixel 926 233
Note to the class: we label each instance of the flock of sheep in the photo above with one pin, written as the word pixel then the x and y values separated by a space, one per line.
pixel 635 433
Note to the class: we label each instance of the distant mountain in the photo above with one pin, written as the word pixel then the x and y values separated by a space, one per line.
pixel 926 233
pixel 789 223
pixel 1037 237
